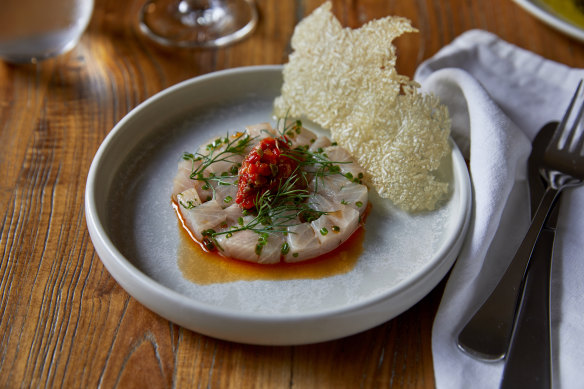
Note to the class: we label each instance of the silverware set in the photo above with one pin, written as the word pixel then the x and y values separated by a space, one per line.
pixel 513 322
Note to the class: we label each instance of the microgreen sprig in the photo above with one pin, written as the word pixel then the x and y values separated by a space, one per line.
pixel 220 150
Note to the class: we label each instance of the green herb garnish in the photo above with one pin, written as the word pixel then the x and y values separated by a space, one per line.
pixel 220 150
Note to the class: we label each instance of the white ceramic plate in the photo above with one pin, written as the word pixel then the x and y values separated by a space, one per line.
pixel 544 13
pixel 136 234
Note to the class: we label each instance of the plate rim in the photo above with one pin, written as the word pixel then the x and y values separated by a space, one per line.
pixel 115 261
pixel 551 19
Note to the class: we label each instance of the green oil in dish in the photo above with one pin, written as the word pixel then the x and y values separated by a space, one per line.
pixel 570 10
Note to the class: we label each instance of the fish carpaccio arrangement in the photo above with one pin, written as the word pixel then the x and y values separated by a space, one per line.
pixel 269 195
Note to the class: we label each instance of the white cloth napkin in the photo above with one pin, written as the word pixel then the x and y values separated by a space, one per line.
pixel 499 96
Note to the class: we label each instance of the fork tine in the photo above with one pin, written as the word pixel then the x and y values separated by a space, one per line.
pixel 580 141
pixel 561 129
pixel 574 130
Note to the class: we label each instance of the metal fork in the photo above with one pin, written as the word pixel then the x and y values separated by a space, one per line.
pixel 487 334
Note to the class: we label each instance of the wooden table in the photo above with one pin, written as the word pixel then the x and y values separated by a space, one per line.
pixel 64 321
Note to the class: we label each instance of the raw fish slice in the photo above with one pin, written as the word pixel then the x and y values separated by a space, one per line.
pixel 302 243
pixel 214 147
pixel 216 142
pixel 304 137
pixel 188 198
pixel 328 183
pixel 338 154
pixel 204 194
pixel 353 195
pixel 334 228
pixel 339 189
pixel 208 215
pixel 320 143
pixel 260 131
pixel 287 217
pixel 225 166
pixel 322 204
pixel 346 218
pixel 182 180
pixel 232 218
pixel 233 213
pixel 225 194
pixel 242 245
pixel 272 250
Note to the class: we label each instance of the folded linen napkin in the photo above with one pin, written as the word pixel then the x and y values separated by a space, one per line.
pixel 499 96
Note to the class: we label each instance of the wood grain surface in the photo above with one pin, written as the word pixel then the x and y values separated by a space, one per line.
pixel 64 321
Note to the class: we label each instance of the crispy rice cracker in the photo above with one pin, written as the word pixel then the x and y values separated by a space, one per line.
pixel 345 80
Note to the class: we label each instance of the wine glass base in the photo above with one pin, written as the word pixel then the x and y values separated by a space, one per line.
pixel 176 23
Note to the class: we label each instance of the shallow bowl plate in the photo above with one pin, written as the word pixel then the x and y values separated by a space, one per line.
pixel 136 235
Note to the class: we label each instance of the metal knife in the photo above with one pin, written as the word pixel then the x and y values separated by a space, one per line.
pixel 528 361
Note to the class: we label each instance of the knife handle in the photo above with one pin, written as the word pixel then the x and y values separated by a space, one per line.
pixel 529 355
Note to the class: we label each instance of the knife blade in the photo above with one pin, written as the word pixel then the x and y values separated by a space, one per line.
pixel 528 360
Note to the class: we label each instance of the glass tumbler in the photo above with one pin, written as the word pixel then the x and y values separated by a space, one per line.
pixel 33 30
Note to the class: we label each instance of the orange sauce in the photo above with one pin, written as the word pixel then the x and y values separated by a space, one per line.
pixel 203 267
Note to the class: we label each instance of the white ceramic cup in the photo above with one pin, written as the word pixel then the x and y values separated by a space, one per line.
pixel 33 30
